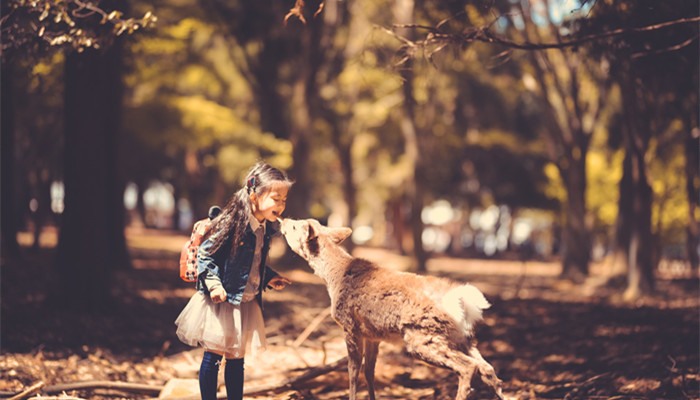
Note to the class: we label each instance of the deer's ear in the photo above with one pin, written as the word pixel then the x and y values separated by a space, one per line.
pixel 312 232
pixel 340 234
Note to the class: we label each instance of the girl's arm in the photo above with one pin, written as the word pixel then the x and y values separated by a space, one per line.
pixel 208 270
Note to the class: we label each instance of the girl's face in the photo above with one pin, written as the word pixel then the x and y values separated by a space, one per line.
pixel 270 204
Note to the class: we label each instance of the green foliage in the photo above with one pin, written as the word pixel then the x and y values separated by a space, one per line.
pixel 668 182
pixel 210 90
pixel 188 96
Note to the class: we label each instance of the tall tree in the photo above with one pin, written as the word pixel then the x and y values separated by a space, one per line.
pixel 338 46
pixel 652 69
pixel 692 176
pixel 31 30
pixel 8 205
pixel 571 112
pixel 92 242
pixel 538 28
pixel 404 14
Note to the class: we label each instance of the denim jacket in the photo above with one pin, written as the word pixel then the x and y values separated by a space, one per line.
pixel 234 271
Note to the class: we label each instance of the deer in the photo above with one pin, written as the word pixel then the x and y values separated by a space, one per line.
pixel 433 317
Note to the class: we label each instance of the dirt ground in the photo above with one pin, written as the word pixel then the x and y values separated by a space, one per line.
pixel 546 338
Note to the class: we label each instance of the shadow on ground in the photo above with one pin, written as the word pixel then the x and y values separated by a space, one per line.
pixel 545 338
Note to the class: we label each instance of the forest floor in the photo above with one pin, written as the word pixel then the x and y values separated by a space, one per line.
pixel 546 337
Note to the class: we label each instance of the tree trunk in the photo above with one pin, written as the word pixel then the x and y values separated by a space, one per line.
pixel 92 242
pixel 625 218
pixel 8 205
pixel 640 278
pixel 575 240
pixel 692 145
pixel 640 256
pixel 349 188
pixel 304 93
pixel 404 15
pixel 43 212
pixel 300 204
pixel 177 193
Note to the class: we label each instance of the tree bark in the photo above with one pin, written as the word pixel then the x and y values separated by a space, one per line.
pixel 640 255
pixel 8 203
pixel 569 141
pixel 299 135
pixel 640 279
pixel 576 240
pixel 92 242
pixel 342 132
pixel 404 15
pixel 692 173
pixel 625 217
pixel 349 189
pixel 43 212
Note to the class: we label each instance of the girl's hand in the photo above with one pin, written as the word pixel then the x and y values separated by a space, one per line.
pixel 279 282
pixel 218 295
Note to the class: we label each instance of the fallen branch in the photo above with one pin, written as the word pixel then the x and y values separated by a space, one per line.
pixel 590 382
pixel 29 391
pixel 57 398
pixel 291 382
pixel 126 386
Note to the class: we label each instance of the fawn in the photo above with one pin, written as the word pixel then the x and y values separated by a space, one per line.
pixel 434 317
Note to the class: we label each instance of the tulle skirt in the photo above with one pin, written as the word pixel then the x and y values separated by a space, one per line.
pixel 222 327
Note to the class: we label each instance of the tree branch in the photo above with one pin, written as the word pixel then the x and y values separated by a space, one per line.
pixel 484 34
pixel 64 23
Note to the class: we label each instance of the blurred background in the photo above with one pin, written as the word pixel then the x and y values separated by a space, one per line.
pixel 392 117
pixel 545 149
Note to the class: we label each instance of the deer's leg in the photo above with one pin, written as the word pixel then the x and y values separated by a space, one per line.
pixel 488 374
pixel 437 351
pixel 355 350
pixel 371 350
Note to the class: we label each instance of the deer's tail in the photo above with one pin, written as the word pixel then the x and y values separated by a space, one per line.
pixel 465 304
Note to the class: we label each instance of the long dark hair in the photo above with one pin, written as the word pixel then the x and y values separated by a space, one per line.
pixel 230 225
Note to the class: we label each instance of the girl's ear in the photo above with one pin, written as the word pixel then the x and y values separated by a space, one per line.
pixel 253 198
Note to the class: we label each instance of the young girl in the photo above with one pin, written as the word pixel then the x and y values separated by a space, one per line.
pixel 224 316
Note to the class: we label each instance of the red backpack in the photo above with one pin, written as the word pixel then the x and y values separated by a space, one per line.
pixel 188 254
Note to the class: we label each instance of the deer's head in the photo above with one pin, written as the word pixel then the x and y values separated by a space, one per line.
pixel 307 237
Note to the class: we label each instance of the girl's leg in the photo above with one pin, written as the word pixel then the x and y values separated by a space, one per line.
pixel 208 375
pixel 234 378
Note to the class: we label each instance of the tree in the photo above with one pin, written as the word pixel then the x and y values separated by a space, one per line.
pixel 404 13
pixel 191 119
pixel 92 242
pixel 570 112
pixel 653 72
pixel 669 31
pixel 92 239
pixel 273 56
pixel 10 247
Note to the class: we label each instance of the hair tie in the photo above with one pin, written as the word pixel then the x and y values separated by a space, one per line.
pixel 251 184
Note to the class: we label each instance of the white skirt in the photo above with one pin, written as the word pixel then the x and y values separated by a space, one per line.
pixel 222 327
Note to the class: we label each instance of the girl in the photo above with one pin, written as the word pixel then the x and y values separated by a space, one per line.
pixel 224 316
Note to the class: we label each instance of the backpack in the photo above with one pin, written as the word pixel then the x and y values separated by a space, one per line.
pixel 188 254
